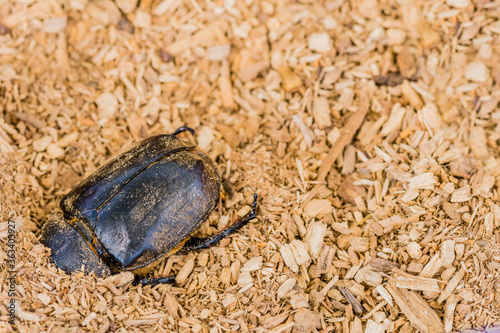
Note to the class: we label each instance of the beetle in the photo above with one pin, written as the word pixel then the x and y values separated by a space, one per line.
pixel 137 209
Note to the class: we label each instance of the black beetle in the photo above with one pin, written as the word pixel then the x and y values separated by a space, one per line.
pixel 137 209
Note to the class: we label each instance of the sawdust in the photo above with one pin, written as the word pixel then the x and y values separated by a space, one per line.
pixel 369 129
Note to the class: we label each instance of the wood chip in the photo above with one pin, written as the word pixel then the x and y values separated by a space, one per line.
pixel 356 305
pixel 347 133
pixel 229 300
pixel 412 96
pixel 225 86
pixel 452 284
pixel 286 287
pixel 360 244
pixel 372 326
pixel 305 321
pixel 352 193
pixel 289 79
pixel 416 309
pixel 464 168
pixel 126 6
pixel 186 270
pixel 406 63
pixel 300 252
pixel 461 194
pixel 394 120
pixel 314 238
pixel 428 36
pixel 253 264
pixel 245 281
pixel 408 281
pixel 325 259
pixel 42 144
pixel 414 250
pixel 449 312
pixel 288 258
pixel 477 72
pixel 368 276
pixel 432 266
pixel 395 36
pixel 383 265
pixel 448 252
pixel 54 151
pixel 321 112
pixel 306 132
pixel 423 181
pixel 44 298
pixel 320 42
pixel 482 183
pixel 103 11
pixel 318 208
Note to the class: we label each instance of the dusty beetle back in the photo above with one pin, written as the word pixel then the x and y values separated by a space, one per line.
pixel 137 208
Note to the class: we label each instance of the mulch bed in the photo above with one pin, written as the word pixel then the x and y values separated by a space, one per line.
pixel 369 129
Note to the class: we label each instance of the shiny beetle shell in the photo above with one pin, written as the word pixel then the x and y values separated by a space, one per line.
pixel 140 206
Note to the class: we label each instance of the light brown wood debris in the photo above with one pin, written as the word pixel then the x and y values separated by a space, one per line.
pixel 369 129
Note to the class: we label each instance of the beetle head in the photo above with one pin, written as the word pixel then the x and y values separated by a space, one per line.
pixel 69 250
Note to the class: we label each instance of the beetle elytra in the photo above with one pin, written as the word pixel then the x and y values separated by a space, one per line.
pixel 138 208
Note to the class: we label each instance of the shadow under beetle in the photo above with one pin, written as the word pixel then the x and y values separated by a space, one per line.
pixel 140 207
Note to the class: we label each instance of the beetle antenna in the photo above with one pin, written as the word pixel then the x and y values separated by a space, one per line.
pixel 183 129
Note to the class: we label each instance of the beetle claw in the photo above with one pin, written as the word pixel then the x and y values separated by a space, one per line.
pixel 153 281
pixel 254 204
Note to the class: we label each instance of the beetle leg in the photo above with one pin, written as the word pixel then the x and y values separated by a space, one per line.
pixel 153 281
pixel 183 129
pixel 198 243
